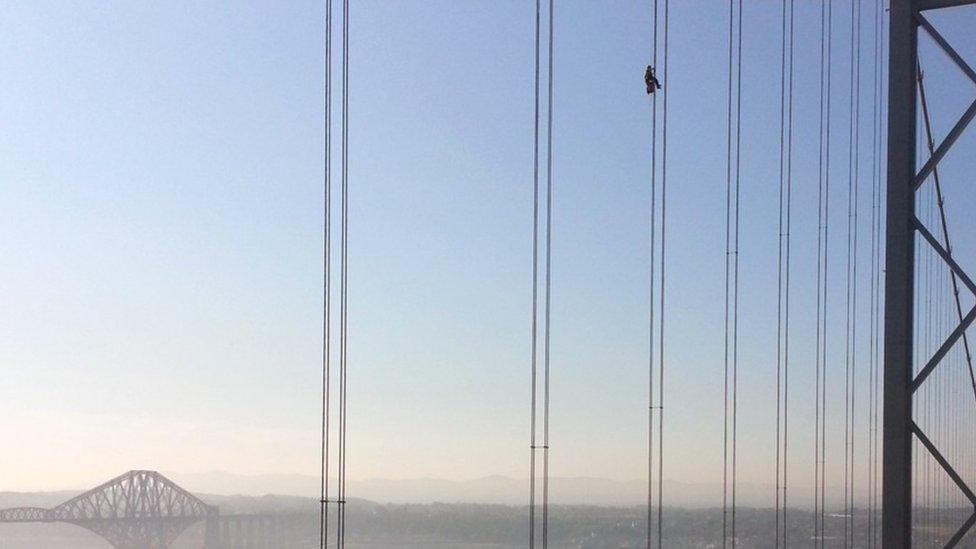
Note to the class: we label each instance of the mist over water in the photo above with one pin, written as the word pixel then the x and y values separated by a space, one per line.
pixel 470 526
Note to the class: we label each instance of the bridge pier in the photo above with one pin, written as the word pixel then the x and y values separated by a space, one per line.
pixel 211 534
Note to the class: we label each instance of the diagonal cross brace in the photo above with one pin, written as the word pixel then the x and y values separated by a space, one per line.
pixel 964 529
pixel 944 254
pixel 944 349
pixel 944 147
pixel 938 4
pixel 945 224
pixel 964 120
pixel 947 48
pixel 961 533
pixel 943 463
pixel 964 322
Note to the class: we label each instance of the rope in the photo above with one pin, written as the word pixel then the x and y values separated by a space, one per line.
pixel 326 290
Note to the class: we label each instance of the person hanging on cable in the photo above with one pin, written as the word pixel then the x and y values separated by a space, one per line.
pixel 650 78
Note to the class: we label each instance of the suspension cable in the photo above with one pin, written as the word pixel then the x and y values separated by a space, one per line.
pixel 535 281
pixel 930 472
pixel 653 225
pixel 545 405
pixel 326 288
pixel 664 194
pixel 826 247
pixel 787 271
pixel 344 283
pixel 534 446
pixel 779 274
pixel 820 361
pixel 918 348
pixel 783 267
pixel 851 358
pixel 730 306
pixel 942 423
pixel 875 282
pixel 735 272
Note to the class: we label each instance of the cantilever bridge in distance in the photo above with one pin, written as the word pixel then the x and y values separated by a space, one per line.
pixel 145 510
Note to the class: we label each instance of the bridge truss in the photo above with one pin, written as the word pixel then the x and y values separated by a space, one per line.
pixel 904 182
pixel 137 510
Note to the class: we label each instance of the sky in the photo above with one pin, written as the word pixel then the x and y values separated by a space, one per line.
pixel 161 206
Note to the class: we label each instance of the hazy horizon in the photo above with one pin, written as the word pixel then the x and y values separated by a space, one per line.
pixel 490 489
pixel 161 201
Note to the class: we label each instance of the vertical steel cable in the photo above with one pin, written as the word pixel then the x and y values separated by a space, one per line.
pixel 925 340
pixel 786 267
pixel 874 361
pixel 930 470
pixel 879 275
pixel 854 257
pixel 937 389
pixel 783 268
pixel 945 229
pixel 344 282
pixel 779 273
pixel 872 294
pixel 930 344
pixel 940 201
pixel 826 243
pixel 820 361
pixel 728 273
pixel 545 403
pixel 327 288
pixel 916 363
pixel 650 352
pixel 817 365
pixel 535 281
pixel 664 194
pixel 730 362
pixel 735 272
pixel 851 358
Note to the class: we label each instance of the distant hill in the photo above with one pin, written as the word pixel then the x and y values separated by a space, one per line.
pixel 35 499
pixel 494 489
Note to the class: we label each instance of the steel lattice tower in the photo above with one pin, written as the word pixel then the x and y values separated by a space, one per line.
pixel 900 384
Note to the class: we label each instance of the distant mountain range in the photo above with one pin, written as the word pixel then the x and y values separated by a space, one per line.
pixel 491 489
pixel 496 489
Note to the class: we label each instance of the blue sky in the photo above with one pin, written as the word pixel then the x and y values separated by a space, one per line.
pixel 161 206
